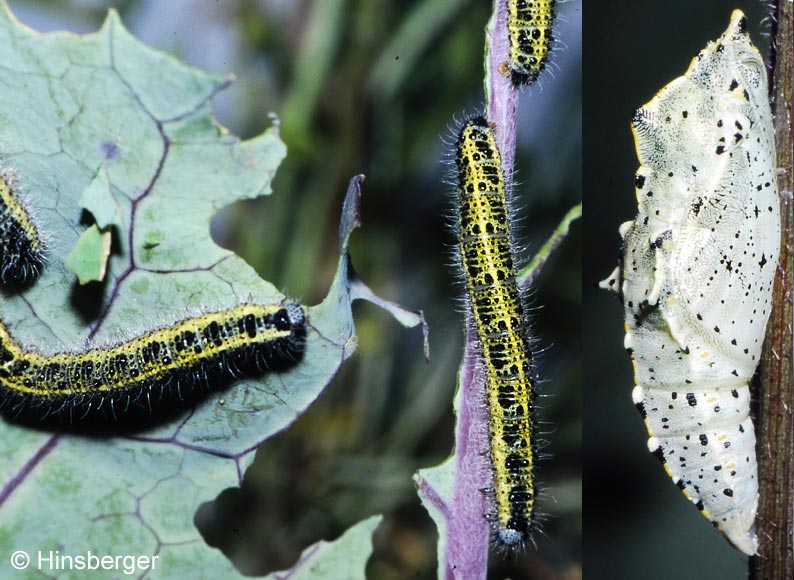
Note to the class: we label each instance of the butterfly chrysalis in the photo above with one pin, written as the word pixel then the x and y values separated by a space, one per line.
pixel 697 272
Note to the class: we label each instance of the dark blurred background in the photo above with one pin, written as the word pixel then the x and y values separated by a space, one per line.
pixel 638 522
pixel 372 86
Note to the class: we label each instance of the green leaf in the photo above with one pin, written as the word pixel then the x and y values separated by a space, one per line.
pixel 99 200
pixel 342 558
pixel 90 255
pixel 103 123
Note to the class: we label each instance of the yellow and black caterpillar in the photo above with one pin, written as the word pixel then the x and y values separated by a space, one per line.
pixel 486 255
pixel 244 340
pixel 529 26
pixel 21 246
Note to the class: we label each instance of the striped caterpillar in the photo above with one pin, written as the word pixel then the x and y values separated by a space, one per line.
pixel 243 340
pixel 697 272
pixel 494 299
pixel 21 246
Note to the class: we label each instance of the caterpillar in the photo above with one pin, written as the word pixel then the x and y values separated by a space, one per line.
pixel 529 24
pixel 227 344
pixel 697 272
pixel 21 246
pixel 488 266
pixel 240 341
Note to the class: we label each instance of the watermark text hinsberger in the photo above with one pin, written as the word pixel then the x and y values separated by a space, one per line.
pixel 53 560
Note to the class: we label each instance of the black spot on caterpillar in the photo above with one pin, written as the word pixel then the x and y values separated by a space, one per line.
pixel 21 247
pixel 488 266
pixel 245 340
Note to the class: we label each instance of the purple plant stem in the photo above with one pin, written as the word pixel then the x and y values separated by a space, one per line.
pixel 468 531
pixel 502 96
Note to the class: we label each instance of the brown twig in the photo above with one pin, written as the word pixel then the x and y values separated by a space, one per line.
pixel 775 425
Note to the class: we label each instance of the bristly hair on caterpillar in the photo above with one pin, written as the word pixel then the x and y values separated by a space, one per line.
pixel 495 306
pixel 529 27
pixel 193 354
pixel 22 250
